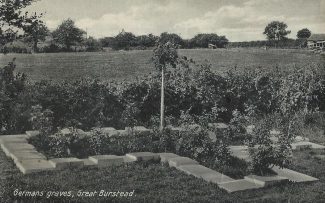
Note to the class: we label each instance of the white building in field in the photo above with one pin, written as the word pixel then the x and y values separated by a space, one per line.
pixel 316 41
pixel 212 46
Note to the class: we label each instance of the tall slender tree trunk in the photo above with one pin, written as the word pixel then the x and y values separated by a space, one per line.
pixel 162 101
pixel 35 49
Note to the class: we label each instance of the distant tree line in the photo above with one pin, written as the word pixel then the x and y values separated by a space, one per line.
pixel 276 33
pixel 127 40
pixel 287 43
pixel 68 37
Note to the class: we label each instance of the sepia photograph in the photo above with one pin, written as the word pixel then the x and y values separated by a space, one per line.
pixel 169 101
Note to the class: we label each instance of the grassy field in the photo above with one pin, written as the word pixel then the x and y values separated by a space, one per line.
pixel 120 65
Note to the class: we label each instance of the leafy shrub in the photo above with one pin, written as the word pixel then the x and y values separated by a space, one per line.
pixel 194 143
pixel 266 150
pixel 234 167
pixel 192 90
pixel 13 116
pixel 42 120
pixel 51 48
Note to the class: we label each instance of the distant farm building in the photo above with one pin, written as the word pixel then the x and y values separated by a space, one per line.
pixel 316 41
pixel 212 46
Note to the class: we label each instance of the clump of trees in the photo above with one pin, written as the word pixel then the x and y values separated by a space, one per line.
pixel 276 33
pixel 127 40
pixel 67 34
pixel 276 30
pixel 203 40
pixel 15 24
pixel 30 30
pixel 303 33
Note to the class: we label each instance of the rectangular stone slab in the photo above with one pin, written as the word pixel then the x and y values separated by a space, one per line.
pixel 13 136
pixel 26 155
pixel 239 185
pixel 65 131
pixel 128 159
pixel 165 157
pixel 240 152
pixel 303 147
pixel 34 166
pixel 89 163
pixel 5 150
pixel 13 139
pixel 175 129
pixel 9 148
pixel 107 160
pixel 109 131
pixel 122 133
pixel 32 133
pixel 205 173
pixel 293 175
pixel 180 161
pixel 143 156
pixel 18 146
pixel 137 130
pixel 305 143
pixel 266 180
pixel 63 163
pixel 300 139
pixel 218 125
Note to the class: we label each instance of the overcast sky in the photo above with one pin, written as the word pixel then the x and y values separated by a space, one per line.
pixel 239 20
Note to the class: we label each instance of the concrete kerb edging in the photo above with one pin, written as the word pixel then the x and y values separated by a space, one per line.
pixel 17 148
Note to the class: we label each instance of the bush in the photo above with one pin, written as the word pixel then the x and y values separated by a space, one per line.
pixel 268 150
pixel 42 120
pixel 211 96
pixel 195 143
pixel 52 48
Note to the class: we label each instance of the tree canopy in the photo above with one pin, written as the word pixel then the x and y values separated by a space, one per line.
pixel 203 40
pixel 303 33
pixel 172 38
pixel 37 32
pixel 67 34
pixel 276 30
pixel 15 23
pixel 127 40
pixel 165 54
pixel 146 40
pixel 124 40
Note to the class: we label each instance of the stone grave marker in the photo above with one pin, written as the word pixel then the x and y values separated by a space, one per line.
pixel 293 175
pixel 180 161
pixel 107 160
pixel 63 163
pixel 205 173
pixel 239 185
pixel 165 157
pixel 266 180
pixel 34 166
pixel 143 156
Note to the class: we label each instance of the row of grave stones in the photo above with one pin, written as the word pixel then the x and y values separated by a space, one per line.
pixel 139 130
pixel 28 160
pixel 299 142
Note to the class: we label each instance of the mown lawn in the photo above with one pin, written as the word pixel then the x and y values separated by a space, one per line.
pixel 155 183
pixel 126 65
